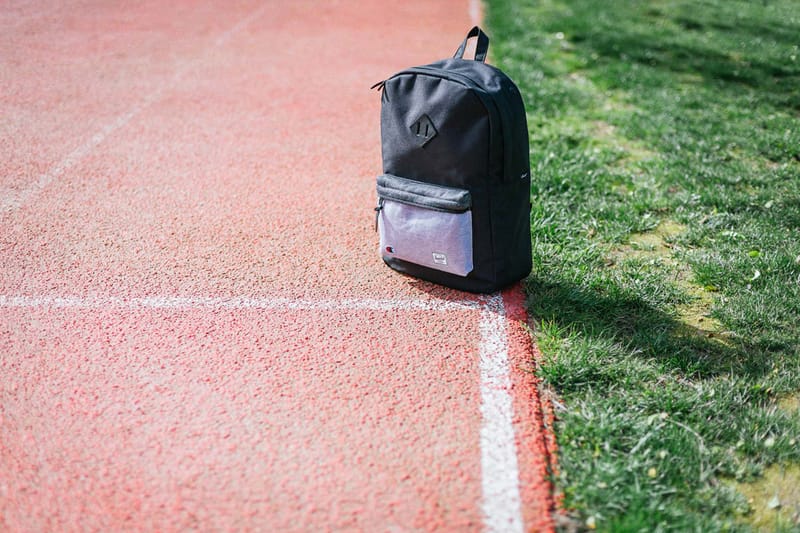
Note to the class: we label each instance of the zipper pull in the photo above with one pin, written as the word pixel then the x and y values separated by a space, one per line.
pixel 378 212
pixel 379 86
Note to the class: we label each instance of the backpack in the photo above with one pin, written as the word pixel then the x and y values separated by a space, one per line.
pixel 454 196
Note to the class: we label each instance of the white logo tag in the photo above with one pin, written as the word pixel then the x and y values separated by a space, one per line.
pixel 439 259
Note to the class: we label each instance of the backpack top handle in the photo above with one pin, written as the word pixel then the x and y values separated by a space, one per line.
pixel 480 49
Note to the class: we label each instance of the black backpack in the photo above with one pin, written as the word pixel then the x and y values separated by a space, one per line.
pixel 454 196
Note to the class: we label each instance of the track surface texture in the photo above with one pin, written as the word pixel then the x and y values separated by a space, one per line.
pixel 196 331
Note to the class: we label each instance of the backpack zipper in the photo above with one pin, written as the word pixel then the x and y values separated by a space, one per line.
pixel 378 209
pixel 379 86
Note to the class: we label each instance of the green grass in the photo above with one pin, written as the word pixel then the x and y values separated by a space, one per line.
pixel 665 151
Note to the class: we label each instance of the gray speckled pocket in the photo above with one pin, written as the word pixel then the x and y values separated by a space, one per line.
pixel 425 224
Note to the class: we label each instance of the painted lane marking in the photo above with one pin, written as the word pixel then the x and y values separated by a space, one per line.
pixel 179 302
pixel 475 12
pixel 501 502
pixel 14 200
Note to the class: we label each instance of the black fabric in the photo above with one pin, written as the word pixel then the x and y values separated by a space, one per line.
pixel 461 123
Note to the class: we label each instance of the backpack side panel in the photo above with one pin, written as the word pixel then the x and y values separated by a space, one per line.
pixel 509 198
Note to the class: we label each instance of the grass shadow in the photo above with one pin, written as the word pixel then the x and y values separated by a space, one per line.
pixel 726 50
pixel 646 331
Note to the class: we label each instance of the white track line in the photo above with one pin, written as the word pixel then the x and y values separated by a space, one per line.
pixel 14 201
pixel 501 504
pixel 475 12
pixel 289 304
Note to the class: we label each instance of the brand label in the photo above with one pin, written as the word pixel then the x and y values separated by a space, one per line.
pixel 439 259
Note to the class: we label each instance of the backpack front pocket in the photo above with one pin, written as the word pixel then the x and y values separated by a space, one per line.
pixel 425 224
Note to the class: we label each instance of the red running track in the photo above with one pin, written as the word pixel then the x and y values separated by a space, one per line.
pixel 196 331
